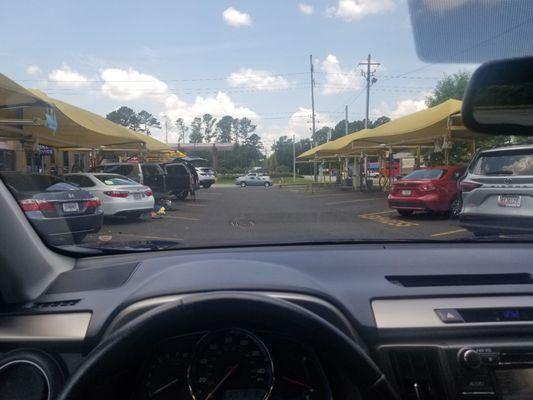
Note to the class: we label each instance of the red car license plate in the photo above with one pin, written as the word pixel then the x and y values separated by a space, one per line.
pixel 406 193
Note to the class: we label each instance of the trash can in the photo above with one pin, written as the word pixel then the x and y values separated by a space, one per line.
pixel 369 184
pixel 348 182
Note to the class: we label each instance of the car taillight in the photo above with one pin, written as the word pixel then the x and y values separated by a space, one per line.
pixel 427 187
pixel 93 203
pixel 116 193
pixel 468 186
pixel 36 205
pixel 148 193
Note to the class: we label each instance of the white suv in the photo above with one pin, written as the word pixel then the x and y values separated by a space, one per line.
pixel 206 176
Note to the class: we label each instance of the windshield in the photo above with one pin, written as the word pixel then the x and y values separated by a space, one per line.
pixel 261 122
pixel 113 180
pixel 505 164
pixel 425 174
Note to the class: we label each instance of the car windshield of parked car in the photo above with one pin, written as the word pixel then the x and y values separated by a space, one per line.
pixel 201 124
pixel 36 183
pixel 112 180
pixel 425 174
pixel 505 164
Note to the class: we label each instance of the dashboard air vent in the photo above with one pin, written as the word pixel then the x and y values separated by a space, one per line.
pixel 54 304
pixel 460 280
pixel 417 373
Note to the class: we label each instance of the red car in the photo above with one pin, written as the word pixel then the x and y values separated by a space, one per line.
pixel 428 189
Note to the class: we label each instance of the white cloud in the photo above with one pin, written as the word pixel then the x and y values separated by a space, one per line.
pixel 218 106
pixel 236 18
pixel 33 70
pixel 257 79
pixel 337 79
pixel 66 77
pixel 306 9
pixel 125 85
pixel 300 122
pixel 402 107
pixel 354 10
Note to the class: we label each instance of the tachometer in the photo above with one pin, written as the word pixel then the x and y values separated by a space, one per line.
pixel 231 364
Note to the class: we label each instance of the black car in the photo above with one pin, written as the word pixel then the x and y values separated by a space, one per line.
pixel 178 177
pixel 58 210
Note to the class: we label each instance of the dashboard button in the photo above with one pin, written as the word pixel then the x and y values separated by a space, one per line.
pixel 449 315
pixel 490 359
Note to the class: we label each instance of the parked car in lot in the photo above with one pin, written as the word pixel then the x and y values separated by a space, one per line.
pixel 428 189
pixel 119 195
pixel 498 192
pixel 178 178
pixel 206 176
pixel 57 209
pixel 148 174
pixel 253 180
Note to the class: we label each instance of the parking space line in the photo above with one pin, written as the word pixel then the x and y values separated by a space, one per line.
pixel 379 217
pixel 448 232
pixel 184 218
pixel 352 201
pixel 195 205
pixel 143 236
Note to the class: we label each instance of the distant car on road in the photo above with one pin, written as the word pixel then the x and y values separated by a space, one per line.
pixel 120 196
pixel 498 193
pixel 428 189
pixel 253 179
pixel 206 176
pixel 57 209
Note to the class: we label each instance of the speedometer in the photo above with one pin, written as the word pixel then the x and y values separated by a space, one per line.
pixel 231 364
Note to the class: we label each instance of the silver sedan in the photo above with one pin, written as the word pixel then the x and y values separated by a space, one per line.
pixel 253 180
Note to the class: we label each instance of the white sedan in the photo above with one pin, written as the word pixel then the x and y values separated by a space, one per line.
pixel 119 195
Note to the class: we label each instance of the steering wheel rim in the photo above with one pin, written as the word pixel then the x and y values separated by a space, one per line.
pixel 196 312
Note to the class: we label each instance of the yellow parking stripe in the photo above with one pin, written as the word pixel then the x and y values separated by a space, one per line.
pixel 448 232
pixel 184 218
pixel 382 219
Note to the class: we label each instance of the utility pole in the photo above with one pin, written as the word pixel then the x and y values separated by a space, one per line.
pixel 166 128
pixel 370 80
pixel 293 158
pixel 313 110
pixel 346 121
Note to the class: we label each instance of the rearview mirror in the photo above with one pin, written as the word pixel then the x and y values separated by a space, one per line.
pixel 499 98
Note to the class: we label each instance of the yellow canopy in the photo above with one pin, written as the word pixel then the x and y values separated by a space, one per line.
pixel 12 94
pixel 420 127
pixel 311 152
pixel 152 144
pixel 81 128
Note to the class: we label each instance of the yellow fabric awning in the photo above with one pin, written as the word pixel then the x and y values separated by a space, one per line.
pixel 152 144
pixel 81 128
pixel 417 128
pixel 12 94
pixel 311 153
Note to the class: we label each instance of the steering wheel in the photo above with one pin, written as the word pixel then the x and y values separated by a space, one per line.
pixel 222 308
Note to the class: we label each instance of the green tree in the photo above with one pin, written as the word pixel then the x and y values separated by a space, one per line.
pixel 321 135
pixel 125 116
pixel 196 135
pixel 450 87
pixel 209 132
pixel 146 121
pixel 224 129
pixel 182 130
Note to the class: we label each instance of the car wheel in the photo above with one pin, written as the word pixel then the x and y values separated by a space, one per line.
pixel 78 237
pixel 243 184
pixel 267 184
pixel 405 213
pixel 455 207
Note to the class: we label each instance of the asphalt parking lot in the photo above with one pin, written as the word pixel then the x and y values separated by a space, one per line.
pixel 233 215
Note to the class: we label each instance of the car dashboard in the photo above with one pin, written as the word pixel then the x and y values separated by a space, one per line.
pixel 442 321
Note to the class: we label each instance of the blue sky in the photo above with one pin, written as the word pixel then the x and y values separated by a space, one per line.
pixel 246 58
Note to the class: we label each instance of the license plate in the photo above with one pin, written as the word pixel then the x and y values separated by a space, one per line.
pixel 71 207
pixel 406 193
pixel 137 196
pixel 509 201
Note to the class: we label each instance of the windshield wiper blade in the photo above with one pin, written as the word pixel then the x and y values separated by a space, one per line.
pixel 501 172
pixel 122 247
